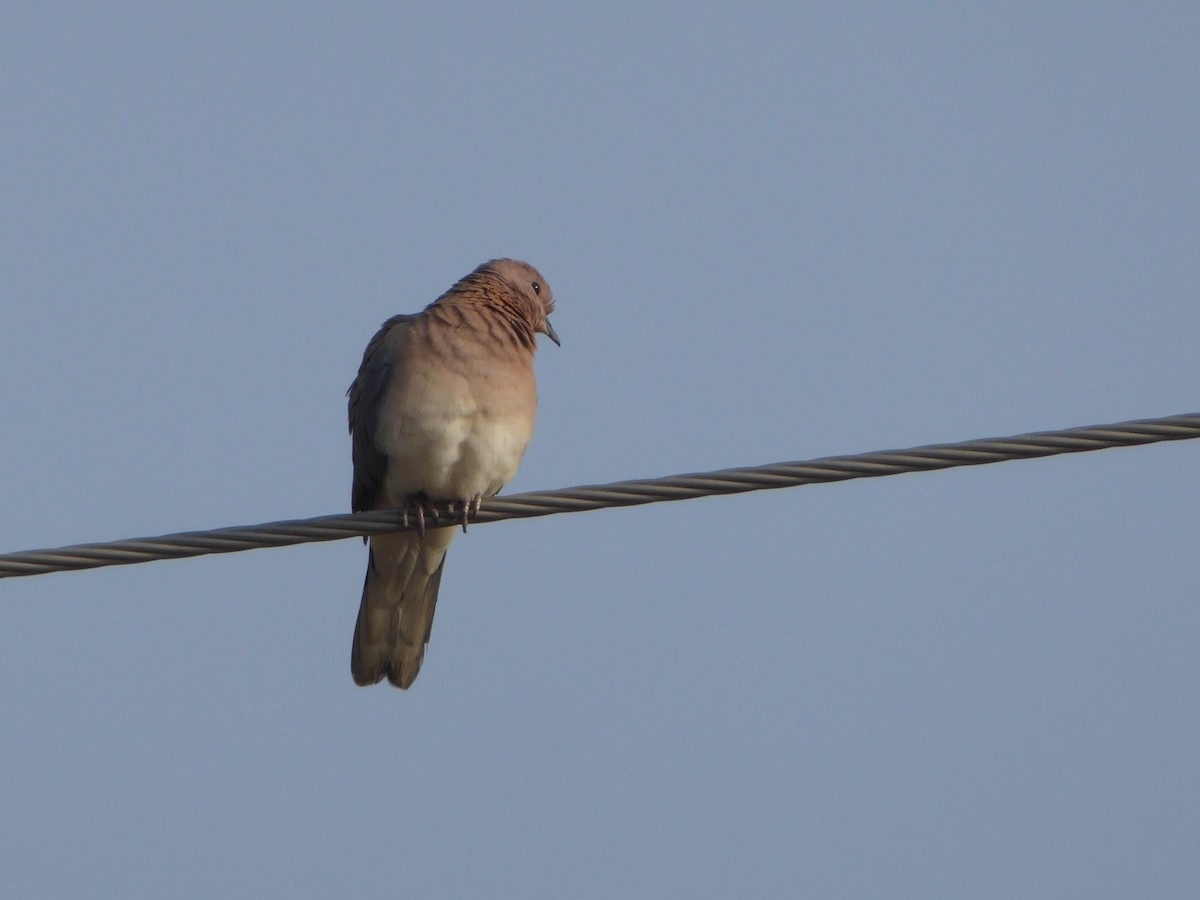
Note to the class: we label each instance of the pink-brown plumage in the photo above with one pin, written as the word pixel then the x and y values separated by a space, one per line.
pixel 442 409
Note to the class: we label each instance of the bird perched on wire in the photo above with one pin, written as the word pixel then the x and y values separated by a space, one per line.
pixel 441 411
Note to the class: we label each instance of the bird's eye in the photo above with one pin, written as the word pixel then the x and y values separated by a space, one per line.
pixel 537 286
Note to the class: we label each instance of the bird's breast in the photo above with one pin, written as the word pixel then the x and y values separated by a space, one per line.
pixel 456 429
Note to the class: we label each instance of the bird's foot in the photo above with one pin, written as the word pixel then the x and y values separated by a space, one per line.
pixel 415 505
pixel 470 509
pixel 425 512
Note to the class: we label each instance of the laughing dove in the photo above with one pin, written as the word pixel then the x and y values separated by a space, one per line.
pixel 441 410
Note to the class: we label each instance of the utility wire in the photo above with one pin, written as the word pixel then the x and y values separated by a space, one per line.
pixel 622 493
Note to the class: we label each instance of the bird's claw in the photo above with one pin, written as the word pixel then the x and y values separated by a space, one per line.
pixel 461 516
pixel 470 509
pixel 417 507
pixel 464 514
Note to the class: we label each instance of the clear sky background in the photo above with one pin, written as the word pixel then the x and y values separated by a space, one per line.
pixel 775 231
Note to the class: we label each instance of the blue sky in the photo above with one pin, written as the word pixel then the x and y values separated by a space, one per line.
pixel 774 231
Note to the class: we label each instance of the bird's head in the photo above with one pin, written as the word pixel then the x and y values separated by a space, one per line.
pixel 531 292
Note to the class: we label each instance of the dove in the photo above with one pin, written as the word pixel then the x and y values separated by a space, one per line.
pixel 441 411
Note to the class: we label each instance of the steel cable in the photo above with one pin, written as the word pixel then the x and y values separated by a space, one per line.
pixel 623 493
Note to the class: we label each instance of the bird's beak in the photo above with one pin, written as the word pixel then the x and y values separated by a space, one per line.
pixel 550 332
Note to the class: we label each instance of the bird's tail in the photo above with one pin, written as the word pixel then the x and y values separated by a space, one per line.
pixel 396 614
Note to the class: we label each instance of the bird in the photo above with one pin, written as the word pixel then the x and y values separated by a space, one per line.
pixel 441 411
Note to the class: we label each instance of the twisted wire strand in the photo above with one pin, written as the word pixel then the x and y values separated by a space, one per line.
pixel 623 493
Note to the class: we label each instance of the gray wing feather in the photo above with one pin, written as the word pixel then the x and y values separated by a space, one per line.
pixel 365 400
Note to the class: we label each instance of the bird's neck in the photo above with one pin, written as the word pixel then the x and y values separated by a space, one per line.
pixel 491 318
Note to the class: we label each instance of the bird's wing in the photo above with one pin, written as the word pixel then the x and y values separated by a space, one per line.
pixel 365 400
